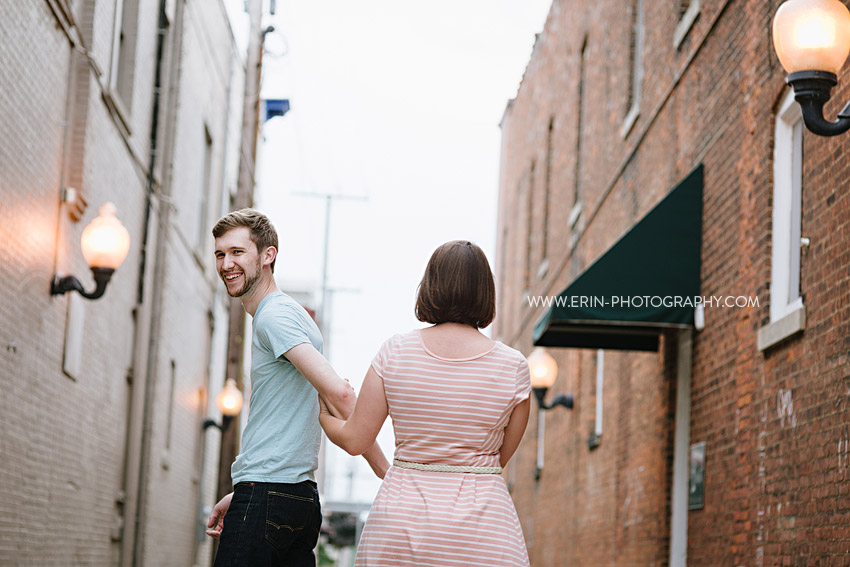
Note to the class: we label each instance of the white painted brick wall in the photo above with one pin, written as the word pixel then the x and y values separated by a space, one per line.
pixel 62 439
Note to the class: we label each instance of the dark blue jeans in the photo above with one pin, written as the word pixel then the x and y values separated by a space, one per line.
pixel 271 525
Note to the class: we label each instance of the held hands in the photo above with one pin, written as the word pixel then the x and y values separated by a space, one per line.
pixel 326 410
pixel 216 523
pixel 323 407
pixel 334 421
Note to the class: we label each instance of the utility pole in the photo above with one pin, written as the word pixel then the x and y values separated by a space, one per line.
pixel 244 198
pixel 324 311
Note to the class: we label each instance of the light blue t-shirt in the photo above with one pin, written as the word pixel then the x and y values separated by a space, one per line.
pixel 281 440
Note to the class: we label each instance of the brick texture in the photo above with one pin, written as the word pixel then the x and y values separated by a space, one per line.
pixel 775 423
pixel 74 448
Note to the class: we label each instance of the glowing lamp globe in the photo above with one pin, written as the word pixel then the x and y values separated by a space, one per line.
pixel 812 35
pixel 543 368
pixel 105 241
pixel 229 400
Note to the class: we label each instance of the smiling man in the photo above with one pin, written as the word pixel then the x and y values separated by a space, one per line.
pixel 273 515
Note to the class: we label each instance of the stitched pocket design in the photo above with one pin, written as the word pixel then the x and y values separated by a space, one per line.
pixel 286 517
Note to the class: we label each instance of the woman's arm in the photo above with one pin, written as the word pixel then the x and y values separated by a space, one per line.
pixel 359 432
pixel 514 431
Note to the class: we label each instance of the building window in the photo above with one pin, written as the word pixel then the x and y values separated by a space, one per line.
pixel 516 242
pixel 596 436
pixel 575 212
pixel 636 32
pixel 688 12
pixel 544 264
pixel 528 226
pixel 169 428
pixel 205 190
pixel 787 312
pixel 787 198
pixel 503 274
pixel 124 51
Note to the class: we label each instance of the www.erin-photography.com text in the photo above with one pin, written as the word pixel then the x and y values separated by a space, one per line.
pixel 642 301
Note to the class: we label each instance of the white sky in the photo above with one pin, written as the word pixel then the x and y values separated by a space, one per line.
pixel 398 103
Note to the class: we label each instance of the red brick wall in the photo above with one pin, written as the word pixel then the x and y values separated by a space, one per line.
pixel 776 422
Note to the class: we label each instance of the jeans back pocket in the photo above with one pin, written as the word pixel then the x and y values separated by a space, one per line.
pixel 286 517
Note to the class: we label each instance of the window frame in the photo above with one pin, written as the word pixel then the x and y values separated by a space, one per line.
pixel 636 71
pixel 595 438
pixel 123 55
pixel 785 290
pixel 787 308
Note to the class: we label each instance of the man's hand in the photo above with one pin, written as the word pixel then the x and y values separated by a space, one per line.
pixel 216 523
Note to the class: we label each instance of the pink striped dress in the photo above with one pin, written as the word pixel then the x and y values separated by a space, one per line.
pixel 449 412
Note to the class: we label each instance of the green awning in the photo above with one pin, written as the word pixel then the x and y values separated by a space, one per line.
pixel 646 282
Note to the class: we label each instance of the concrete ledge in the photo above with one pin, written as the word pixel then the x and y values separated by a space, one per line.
pixel 543 269
pixel 686 23
pixel 776 332
pixel 630 120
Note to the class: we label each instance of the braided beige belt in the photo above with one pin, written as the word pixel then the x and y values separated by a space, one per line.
pixel 446 468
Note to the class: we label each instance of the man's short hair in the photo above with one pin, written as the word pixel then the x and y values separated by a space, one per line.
pixel 262 231
pixel 457 287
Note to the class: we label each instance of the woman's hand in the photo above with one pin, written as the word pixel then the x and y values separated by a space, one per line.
pixel 323 406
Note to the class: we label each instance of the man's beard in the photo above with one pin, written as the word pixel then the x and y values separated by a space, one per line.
pixel 249 284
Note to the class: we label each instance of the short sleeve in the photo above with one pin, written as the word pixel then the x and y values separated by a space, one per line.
pixel 523 381
pixel 379 363
pixel 282 330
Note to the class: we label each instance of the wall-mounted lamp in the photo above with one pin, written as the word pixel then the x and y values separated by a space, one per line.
pixel 544 370
pixel 105 243
pixel 812 41
pixel 229 402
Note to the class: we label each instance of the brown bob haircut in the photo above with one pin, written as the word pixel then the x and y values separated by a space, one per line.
pixel 262 231
pixel 457 287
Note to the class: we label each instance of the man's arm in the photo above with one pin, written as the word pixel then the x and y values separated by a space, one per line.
pixel 336 392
